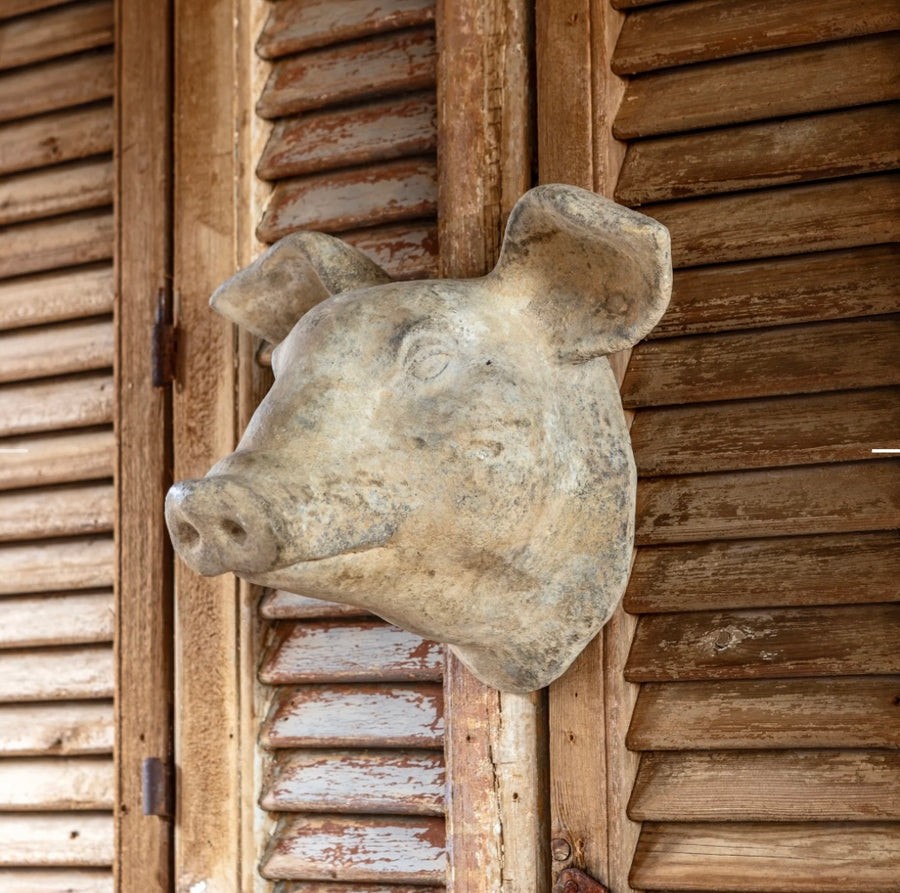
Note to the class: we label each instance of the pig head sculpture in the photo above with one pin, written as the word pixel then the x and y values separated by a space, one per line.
pixel 449 454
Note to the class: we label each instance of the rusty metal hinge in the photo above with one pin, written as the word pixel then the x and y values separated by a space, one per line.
pixel 165 341
pixel 156 788
pixel 574 880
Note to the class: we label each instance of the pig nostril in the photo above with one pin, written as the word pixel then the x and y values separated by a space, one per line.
pixel 234 531
pixel 186 534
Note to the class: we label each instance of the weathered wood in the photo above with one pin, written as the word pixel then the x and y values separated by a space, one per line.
pixel 837 498
pixel 828 641
pixel 399 715
pixel 13 8
pixel 732 366
pixel 686 33
pixel 72 880
pixel 380 65
pixel 67 840
pixel 279 605
pixel 53 565
pixel 56 85
pixel 770 85
pixel 768 786
pixel 782 290
pixel 57 32
pixel 403 252
pixel 764 714
pixel 818 570
pixel 326 887
pixel 819 857
pixel 75 186
pixel 375 131
pixel 67 729
pixel 60 403
pixel 297 25
pixel 356 651
pixel 54 297
pixel 57 619
pixel 69 510
pixel 56 350
pixel 57 458
pixel 356 781
pixel 402 849
pixel 59 242
pixel 753 156
pixel 56 783
pixel 812 428
pixel 58 674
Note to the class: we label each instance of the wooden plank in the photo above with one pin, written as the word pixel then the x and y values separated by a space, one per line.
pixel 765 714
pixel 838 498
pixel 753 156
pixel 809 570
pixel 56 350
pixel 687 33
pixel 819 857
pixel 326 887
pixel 356 651
pixel 342 200
pixel 59 242
pixel 399 715
pixel 783 290
pixel 56 85
pixel 57 619
pixel 733 366
pixel 362 781
pixel 768 786
pixel 50 566
pixel 770 643
pixel 391 63
pixel 13 8
pixel 770 85
pixel 57 32
pixel 57 675
pixel 72 840
pixel 375 131
pixel 296 25
pixel 75 186
pixel 72 880
pixel 809 429
pixel 69 510
pixel 280 605
pixel 66 729
pixel 55 297
pixel 402 251
pixel 402 849
pixel 56 783
pixel 57 458
pixel 59 403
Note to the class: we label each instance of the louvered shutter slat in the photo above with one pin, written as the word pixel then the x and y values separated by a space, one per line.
pixel 68 673
pixel 56 783
pixel 72 880
pixel 70 510
pixel 77 839
pixel 279 605
pixel 57 458
pixel 74 728
pixel 75 402
pixel 55 350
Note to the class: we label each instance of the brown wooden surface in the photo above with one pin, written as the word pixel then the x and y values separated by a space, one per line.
pixel 326 887
pixel 63 729
pixel 296 25
pixel 818 570
pixel 58 784
pixel 67 840
pixel 403 251
pixel 841 712
pixel 13 8
pixel 686 33
pixel 80 346
pixel 68 510
pixel 783 290
pixel 57 458
pixel 279 605
pixel 57 619
pixel 72 563
pixel 49 880
pixel 820 857
pixel 768 786
pixel 75 402
pixel 61 674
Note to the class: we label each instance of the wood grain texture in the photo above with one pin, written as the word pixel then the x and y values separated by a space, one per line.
pixel 356 651
pixel 82 346
pixel 74 728
pixel 57 458
pixel 753 156
pixel 326 887
pixel 738 365
pixel 296 25
pixel 69 510
pixel 52 565
pixel 768 786
pixel 40 880
pixel 377 66
pixel 687 33
pixel 770 85
pixel 334 201
pixel 740 434
pixel 74 840
pixel 783 290
pixel 76 402
pixel 56 783
pixel 843 712
pixel 837 498
pixel 819 857
pixel 402 251
pixel 57 619
pixel 362 134
pixel 399 849
pixel 13 8
pixel 809 570
pixel 356 781
pixel 280 605
pixel 57 674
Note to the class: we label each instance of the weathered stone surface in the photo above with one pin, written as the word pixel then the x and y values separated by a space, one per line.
pixel 451 455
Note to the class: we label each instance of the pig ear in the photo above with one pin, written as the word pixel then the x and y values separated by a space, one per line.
pixel 594 275
pixel 291 277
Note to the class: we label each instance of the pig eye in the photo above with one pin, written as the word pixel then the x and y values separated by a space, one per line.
pixel 427 358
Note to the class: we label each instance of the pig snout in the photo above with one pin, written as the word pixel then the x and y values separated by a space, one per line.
pixel 219 524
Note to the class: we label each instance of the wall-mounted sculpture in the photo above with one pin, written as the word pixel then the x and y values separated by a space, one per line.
pixel 451 455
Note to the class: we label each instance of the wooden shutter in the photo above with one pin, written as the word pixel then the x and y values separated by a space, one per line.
pixel 764 136
pixel 57 451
